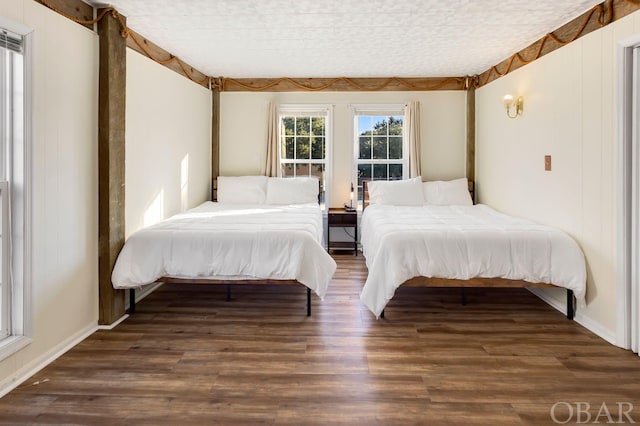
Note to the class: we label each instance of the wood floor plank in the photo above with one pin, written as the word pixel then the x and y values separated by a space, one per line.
pixel 330 388
pixel 457 365
pixel 187 356
pixel 492 388
pixel 256 363
pixel 396 412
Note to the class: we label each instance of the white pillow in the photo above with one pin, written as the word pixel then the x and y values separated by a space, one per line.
pixel 396 192
pixel 242 189
pixel 297 190
pixel 447 193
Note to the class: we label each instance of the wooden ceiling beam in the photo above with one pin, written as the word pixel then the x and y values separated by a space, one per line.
pixel 82 13
pixel 594 19
pixel 140 44
pixel 341 84
pixel 76 10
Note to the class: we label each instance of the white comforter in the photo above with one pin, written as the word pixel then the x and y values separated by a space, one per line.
pixel 462 242
pixel 226 241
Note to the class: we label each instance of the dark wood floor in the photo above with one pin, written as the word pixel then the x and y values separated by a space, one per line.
pixel 189 357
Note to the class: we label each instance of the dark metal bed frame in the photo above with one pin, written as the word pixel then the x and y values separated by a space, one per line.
pixel 474 282
pixel 132 291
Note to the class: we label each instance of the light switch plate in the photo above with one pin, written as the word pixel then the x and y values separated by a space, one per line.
pixel 547 163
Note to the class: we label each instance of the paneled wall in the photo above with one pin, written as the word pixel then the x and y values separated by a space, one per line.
pixel 569 113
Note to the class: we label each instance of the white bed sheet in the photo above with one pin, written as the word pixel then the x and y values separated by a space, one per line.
pixel 462 242
pixel 226 241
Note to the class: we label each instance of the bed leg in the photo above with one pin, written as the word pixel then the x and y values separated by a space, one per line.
pixel 132 300
pixel 228 292
pixel 463 296
pixel 570 306
pixel 382 314
pixel 308 302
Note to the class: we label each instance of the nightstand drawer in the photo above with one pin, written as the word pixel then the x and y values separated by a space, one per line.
pixel 340 219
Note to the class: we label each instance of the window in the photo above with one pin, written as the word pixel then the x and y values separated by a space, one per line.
pixel 14 190
pixel 380 148
pixel 305 138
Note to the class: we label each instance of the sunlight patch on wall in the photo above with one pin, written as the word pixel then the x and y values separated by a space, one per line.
pixel 155 212
pixel 184 183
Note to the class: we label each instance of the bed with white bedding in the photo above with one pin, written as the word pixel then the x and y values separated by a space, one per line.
pixel 463 245
pixel 232 243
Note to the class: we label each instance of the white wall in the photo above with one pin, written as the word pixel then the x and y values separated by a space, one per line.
pixel 168 150
pixel 570 114
pixel 243 131
pixel 65 185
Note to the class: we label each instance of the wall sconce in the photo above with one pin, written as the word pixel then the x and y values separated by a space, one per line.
pixel 517 104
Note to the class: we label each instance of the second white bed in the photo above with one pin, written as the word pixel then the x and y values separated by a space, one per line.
pixel 462 242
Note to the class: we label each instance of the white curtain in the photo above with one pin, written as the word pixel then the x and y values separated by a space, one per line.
pixel 271 165
pixel 413 133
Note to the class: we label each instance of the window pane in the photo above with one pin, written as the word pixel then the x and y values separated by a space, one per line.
pixel 317 126
pixel 12 148
pixel 288 148
pixel 288 126
pixel 364 173
pixel 317 170
pixel 365 148
pixel 302 169
pixel 380 172
pixel 287 169
pixel 302 148
pixel 380 126
pixel 317 148
pixel 395 147
pixel 395 125
pixel 302 126
pixel 380 147
pixel 395 171
pixel 364 124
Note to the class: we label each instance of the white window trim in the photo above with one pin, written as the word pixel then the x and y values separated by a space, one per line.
pixel 22 332
pixel 324 109
pixel 377 109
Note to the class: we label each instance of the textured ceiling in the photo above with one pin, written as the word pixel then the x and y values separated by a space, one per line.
pixel 353 38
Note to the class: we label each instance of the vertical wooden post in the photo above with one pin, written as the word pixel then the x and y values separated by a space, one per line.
pixel 471 133
pixel 215 133
pixel 111 149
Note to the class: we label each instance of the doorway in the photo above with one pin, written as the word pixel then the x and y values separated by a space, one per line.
pixel 628 332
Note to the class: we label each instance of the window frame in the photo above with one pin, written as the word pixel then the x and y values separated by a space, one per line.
pixel 317 110
pixel 20 205
pixel 388 110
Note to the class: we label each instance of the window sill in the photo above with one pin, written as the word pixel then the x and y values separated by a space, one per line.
pixel 12 344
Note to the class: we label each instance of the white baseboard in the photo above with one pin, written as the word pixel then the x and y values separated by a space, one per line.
pixel 22 374
pixel 588 323
pixel 140 294
pixel 112 326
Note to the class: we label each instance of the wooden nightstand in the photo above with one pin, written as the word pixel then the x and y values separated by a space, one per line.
pixel 340 218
